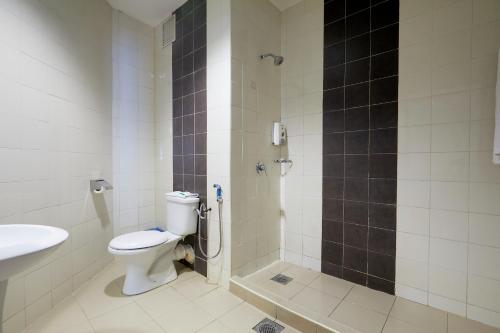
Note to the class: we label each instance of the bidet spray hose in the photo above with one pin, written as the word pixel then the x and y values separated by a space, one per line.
pixel 201 217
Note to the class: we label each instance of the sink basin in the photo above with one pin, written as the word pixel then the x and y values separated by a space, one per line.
pixel 24 245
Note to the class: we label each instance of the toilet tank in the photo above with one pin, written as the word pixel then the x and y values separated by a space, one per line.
pixel 181 215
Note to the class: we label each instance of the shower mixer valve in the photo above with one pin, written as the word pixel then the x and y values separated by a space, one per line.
pixel 260 168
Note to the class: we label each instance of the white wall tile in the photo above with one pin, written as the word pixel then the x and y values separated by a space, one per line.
pixel 16 323
pixel 453 107
pixel 483 198
pixel 417 29
pixel 449 195
pixel 454 122
pixel 448 304
pixel 488 317
pixel 450 137
pixel 15 297
pixel 38 283
pixel 414 193
pixel 482 76
pixel 415 139
pixel 452 77
pixel 413 220
pixel 311 247
pixel 453 17
pixel 413 294
pixel 484 292
pixel 450 48
pixel 481 259
pixel 414 247
pixel 412 273
pixel 481 135
pixel 55 135
pixel 415 71
pixel 448 283
pixel 484 229
pixel 38 308
pixel 301 96
pixel 414 166
pixel 482 169
pixel 483 103
pixel 449 166
pixel 448 254
pixel 485 38
pixel 413 112
pixel 449 224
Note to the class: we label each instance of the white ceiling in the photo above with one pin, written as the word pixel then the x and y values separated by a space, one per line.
pixel 284 4
pixel 151 12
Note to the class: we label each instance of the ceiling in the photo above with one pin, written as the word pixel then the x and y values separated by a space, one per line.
pixel 151 12
pixel 284 4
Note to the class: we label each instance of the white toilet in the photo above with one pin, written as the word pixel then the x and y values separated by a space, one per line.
pixel 149 255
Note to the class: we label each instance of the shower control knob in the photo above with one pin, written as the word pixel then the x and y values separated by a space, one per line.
pixel 260 167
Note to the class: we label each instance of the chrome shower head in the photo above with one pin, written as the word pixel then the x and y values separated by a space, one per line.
pixel 278 60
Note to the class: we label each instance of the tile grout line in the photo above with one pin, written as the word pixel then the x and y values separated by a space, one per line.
pixel 341 300
pixel 389 313
pixel 150 316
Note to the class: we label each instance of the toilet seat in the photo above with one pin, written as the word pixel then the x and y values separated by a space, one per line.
pixel 141 240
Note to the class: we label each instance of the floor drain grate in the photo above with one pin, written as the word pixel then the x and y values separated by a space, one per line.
pixel 283 279
pixel 268 326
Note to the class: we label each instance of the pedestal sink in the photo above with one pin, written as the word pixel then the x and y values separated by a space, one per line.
pixel 22 246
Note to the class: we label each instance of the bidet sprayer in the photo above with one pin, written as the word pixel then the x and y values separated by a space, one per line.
pixel 218 192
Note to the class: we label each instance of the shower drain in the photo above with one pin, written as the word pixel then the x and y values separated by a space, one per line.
pixel 268 326
pixel 281 278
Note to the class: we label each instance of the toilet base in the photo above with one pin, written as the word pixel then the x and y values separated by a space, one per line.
pixel 149 268
pixel 137 281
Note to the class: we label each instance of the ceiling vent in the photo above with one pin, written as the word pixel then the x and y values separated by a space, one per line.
pixel 168 31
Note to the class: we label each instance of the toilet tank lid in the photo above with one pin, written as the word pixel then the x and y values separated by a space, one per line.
pixel 182 197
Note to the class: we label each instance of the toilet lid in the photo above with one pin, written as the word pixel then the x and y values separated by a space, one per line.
pixel 139 240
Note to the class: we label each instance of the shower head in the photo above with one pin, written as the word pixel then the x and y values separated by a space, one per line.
pixel 278 60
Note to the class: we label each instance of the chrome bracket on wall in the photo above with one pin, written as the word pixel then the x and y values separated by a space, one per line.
pixel 283 161
pixel 100 185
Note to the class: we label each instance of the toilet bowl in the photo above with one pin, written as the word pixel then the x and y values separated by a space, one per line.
pixel 139 251
pixel 149 255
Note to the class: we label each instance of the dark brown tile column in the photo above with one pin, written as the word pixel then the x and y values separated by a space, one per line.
pixel 360 141
pixel 189 74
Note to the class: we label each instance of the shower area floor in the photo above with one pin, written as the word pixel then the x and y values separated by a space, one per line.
pixel 315 302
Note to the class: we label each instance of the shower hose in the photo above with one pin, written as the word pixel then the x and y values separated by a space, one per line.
pixel 202 215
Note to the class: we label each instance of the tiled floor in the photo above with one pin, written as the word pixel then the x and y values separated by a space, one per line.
pixel 186 305
pixel 337 303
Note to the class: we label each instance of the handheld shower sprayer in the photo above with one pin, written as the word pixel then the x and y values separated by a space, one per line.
pixel 203 214
pixel 218 192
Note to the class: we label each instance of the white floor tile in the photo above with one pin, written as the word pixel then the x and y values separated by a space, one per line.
pixel 359 318
pixel 243 317
pixel 419 315
pixel 371 299
pixel 316 301
pixel 218 302
pixel 129 318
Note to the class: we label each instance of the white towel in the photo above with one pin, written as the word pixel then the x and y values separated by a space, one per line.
pixel 180 194
pixel 496 143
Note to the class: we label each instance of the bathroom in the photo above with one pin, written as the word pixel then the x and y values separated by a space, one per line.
pixel 249 166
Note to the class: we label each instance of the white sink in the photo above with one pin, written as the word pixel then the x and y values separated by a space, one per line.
pixel 23 245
